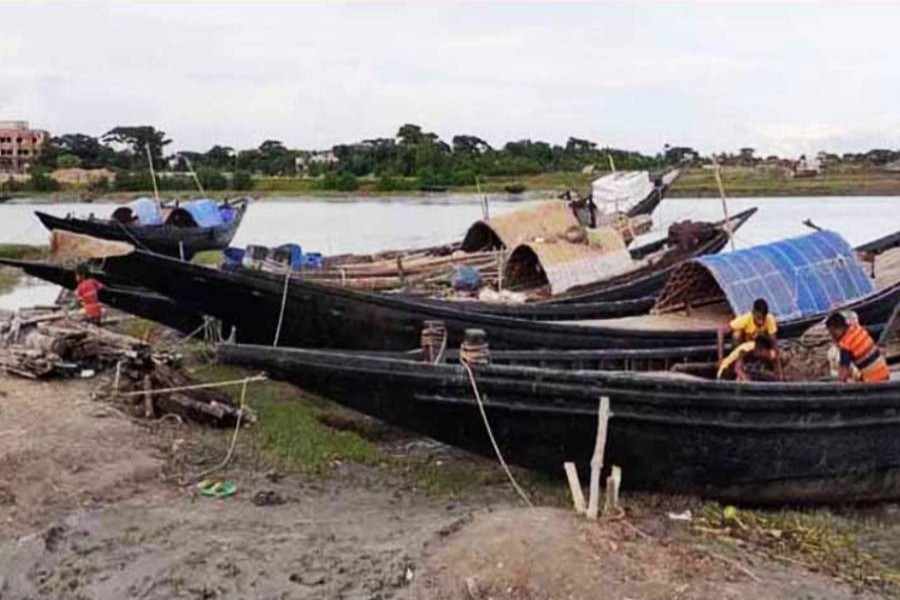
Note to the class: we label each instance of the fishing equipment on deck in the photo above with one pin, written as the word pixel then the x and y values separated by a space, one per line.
pixel 465 279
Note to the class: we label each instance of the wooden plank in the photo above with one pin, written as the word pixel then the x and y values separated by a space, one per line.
pixel 891 327
pixel 613 482
pixel 149 411
pixel 597 460
pixel 575 487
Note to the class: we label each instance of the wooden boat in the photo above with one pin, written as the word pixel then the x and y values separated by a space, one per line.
pixel 137 301
pixel 316 315
pixel 180 237
pixel 749 443
pixel 631 293
pixel 426 272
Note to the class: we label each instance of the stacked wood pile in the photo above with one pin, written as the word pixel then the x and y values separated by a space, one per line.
pixel 38 343
pixel 136 382
pixel 45 343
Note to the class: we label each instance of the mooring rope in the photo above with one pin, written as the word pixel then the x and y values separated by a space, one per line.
pixel 198 386
pixel 234 437
pixel 287 279
pixel 490 433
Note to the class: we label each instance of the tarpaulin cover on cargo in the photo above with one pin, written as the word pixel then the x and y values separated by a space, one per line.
pixel 197 213
pixel 547 220
pixel 140 211
pixel 620 191
pixel 798 277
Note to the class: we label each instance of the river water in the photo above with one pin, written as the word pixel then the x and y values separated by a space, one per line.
pixel 366 225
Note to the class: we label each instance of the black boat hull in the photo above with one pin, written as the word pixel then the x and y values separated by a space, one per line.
pixel 323 316
pixel 139 302
pixel 753 444
pixel 163 239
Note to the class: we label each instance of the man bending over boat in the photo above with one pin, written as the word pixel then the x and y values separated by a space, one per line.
pixel 745 329
pixel 762 349
pixel 857 349
pixel 88 292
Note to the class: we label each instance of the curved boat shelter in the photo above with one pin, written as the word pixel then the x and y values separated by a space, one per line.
pixel 798 277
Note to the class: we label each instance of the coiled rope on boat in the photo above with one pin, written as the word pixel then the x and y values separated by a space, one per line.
pixel 477 352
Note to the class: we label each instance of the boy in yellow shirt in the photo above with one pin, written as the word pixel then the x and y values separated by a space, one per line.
pixel 745 329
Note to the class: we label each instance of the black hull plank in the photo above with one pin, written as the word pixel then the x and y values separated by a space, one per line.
pixel 761 444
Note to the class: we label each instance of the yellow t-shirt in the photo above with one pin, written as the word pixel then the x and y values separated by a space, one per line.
pixel 735 354
pixel 745 324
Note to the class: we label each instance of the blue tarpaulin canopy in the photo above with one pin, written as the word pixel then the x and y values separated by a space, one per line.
pixel 140 211
pixel 798 277
pixel 199 213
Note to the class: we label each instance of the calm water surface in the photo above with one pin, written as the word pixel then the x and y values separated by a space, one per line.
pixel 366 225
pixel 336 226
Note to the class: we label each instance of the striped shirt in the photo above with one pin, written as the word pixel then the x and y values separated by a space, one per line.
pixel 858 348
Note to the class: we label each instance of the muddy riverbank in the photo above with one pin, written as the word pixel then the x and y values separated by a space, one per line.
pixel 96 504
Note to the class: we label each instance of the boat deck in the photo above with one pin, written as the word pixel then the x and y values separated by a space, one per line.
pixel 705 318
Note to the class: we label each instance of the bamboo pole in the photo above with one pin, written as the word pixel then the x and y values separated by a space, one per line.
pixel 597 460
pixel 152 174
pixel 190 167
pixel 724 203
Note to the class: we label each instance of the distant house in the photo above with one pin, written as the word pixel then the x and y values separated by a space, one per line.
pixel 82 177
pixel 19 146
pixel 807 167
pixel 314 157
pixel 894 167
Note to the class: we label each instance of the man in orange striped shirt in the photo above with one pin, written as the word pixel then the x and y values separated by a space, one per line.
pixel 857 348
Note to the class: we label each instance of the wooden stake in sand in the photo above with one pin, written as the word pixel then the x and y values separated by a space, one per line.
pixel 612 490
pixel 575 486
pixel 597 460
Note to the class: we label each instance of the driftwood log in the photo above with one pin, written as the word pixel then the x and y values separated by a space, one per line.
pixel 48 343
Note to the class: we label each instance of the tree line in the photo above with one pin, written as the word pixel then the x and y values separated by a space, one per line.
pixel 412 159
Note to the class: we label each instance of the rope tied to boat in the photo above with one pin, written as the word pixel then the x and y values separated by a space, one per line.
pixel 467 358
pixel 287 280
pixel 434 341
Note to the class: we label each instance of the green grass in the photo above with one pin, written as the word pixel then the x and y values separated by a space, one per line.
pixel 10 278
pixel 208 257
pixel 847 546
pixel 751 182
pixel 23 251
pixel 288 433
pixel 298 433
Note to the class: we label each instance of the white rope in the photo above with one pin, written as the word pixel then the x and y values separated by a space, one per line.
pixel 287 279
pixel 198 386
pixel 440 355
pixel 490 433
pixel 234 437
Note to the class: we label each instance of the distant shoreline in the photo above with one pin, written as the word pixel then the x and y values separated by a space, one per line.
pixel 740 182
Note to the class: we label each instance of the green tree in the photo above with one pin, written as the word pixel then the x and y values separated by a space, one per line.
pixel 242 181
pixel 211 179
pixel 139 139
pixel 41 182
pixel 68 161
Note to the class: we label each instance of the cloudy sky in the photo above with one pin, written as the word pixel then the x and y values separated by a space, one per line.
pixel 785 78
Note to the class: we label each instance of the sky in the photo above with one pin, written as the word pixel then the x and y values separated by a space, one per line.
pixel 785 78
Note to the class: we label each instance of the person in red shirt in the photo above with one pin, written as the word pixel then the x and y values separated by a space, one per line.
pixel 88 293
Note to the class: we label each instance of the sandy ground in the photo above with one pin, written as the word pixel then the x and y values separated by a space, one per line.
pixel 91 508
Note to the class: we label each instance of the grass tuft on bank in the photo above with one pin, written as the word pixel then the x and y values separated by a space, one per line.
pixel 289 434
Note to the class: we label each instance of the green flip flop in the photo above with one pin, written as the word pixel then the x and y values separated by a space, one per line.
pixel 216 488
